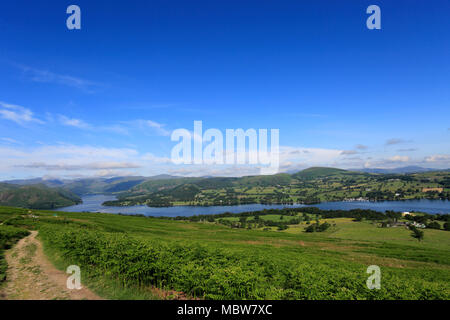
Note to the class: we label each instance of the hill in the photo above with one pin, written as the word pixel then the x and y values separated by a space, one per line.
pixel 312 185
pixel 47 182
pixel 322 172
pixel 212 259
pixel 309 186
pixel 409 169
pixel 91 185
pixel 36 196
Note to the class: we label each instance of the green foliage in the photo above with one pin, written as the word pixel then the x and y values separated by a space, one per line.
pixel 317 227
pixel 219 272
pixel 434 225
pixel 210 261
pixel 416 233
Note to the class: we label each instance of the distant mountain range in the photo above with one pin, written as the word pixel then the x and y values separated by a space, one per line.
pixel 40 193
pixel 409 169
pixel 118 184
pixel 91 185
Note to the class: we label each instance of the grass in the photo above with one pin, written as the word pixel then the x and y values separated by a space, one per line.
pixel 106 287
pixel 125 257
pixel 8 236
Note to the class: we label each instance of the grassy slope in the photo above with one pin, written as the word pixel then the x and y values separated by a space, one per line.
pixel 36 196
pixel 213 261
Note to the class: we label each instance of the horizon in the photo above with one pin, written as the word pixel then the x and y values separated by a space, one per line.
pixel 413 169
pixel 103 101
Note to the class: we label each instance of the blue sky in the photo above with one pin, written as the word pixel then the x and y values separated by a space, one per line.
pixel 103 100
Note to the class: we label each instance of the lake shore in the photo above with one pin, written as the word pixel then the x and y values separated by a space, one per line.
pixel 93 203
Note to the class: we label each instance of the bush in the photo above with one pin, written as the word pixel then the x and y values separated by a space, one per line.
pixel 434 225
pixel 418 234
pixel 447 226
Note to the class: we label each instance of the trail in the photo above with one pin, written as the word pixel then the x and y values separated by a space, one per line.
pixel 31 276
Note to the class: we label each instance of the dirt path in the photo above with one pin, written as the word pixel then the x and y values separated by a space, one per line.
pixel 31 276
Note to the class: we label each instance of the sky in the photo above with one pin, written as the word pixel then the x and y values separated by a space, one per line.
pixel 105 99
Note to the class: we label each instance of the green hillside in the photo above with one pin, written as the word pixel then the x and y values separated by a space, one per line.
pixel 36 196
pixel 309 186
pixel 323 172
pixel 134 257
pixel 101 185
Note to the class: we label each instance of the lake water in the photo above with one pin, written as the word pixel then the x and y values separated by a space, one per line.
pixel 93 203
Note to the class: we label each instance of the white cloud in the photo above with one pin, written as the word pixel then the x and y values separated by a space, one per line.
pixel 438 158
pixel 46 76
pixel 71 160
pixel 81 124
pixel 156 127
pixel 77 123
pixel 10 141
pixel 84 166
pixel 154 159
pixel 159 128
pixel 399 159
pixel 18 114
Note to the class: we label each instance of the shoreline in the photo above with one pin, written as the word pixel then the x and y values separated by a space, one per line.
pixel 93 203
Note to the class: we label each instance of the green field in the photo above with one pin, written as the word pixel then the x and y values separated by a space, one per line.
pixel 130 257
pixel 309 186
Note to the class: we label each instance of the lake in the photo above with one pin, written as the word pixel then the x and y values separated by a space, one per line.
pixel 93 203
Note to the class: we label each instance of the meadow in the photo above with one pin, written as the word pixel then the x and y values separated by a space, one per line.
pixel 133 257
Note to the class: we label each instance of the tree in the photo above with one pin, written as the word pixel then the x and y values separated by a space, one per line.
pixel 434 225
pixel 393 215
pixel 447 226
pixel 324 226
pixel 418 234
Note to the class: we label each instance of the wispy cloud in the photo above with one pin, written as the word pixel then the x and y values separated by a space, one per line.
pixel 438 158
pixel 399 159
pixel 83 125
pixel 393 141
pixel 18 114
pixel 85 166
pixel 47 76
pixel 10 141
pixel 361 147
pixel 72 122
pixel 156 127
pixel 407 150
pixel 348 152
pixel 68 157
